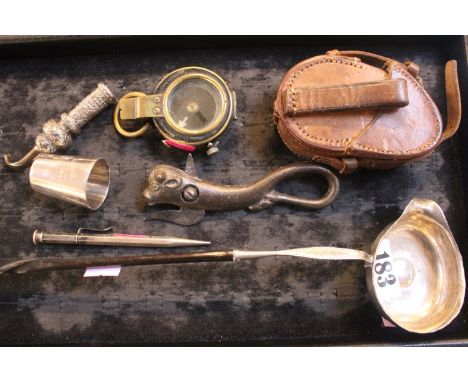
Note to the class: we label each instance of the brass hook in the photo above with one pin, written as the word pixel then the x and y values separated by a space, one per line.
pixel 56 134
pixel 23 162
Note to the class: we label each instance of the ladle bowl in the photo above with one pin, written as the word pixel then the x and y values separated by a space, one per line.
pixel 416 277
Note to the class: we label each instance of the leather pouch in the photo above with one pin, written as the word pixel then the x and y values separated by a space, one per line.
pixel 354 109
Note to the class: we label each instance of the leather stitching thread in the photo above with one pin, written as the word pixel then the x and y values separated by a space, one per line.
pixel 295 143
pixel 297 94
pixel 361 132
pixel 336 142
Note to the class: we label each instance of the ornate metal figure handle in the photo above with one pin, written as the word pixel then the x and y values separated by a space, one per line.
pixel 56 135
pixel 170 185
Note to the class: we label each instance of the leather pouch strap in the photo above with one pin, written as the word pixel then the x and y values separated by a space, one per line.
pixel 452 88
pixel 452 92
pixel 343 165
pixel 374 58
pixel 391 93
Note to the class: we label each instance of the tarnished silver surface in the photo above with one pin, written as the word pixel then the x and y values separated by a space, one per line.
pixel 80 181
pixel 56 135
pixel 89 107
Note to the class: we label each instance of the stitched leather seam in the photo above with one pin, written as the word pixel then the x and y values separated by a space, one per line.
pixel 357 64
pixel 430 142
pixel 317 156
pixel 298 144
pixel 336 142
pixel 293 101
pixel 295 92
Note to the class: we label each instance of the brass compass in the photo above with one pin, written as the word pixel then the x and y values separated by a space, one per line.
pixel 190 105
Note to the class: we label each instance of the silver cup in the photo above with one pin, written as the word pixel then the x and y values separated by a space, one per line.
pixel 81 181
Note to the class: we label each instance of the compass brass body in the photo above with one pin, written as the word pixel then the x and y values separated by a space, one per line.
pixel 191 105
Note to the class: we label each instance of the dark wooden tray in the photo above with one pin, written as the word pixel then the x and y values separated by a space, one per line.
pixel 266 301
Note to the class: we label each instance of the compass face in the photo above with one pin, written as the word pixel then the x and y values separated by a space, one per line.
pixel 197 106
pixel 194 104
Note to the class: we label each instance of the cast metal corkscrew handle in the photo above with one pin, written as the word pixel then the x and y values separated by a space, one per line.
pixel 169 185
pixel 56 134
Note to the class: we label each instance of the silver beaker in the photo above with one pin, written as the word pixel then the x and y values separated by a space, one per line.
pixel 81 181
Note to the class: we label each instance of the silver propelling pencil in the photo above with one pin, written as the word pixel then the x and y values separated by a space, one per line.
pixel 101 237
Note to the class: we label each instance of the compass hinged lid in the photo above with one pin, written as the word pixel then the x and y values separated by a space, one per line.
pixel 191 105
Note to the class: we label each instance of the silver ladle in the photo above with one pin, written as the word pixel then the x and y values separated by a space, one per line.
pixel 415 275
